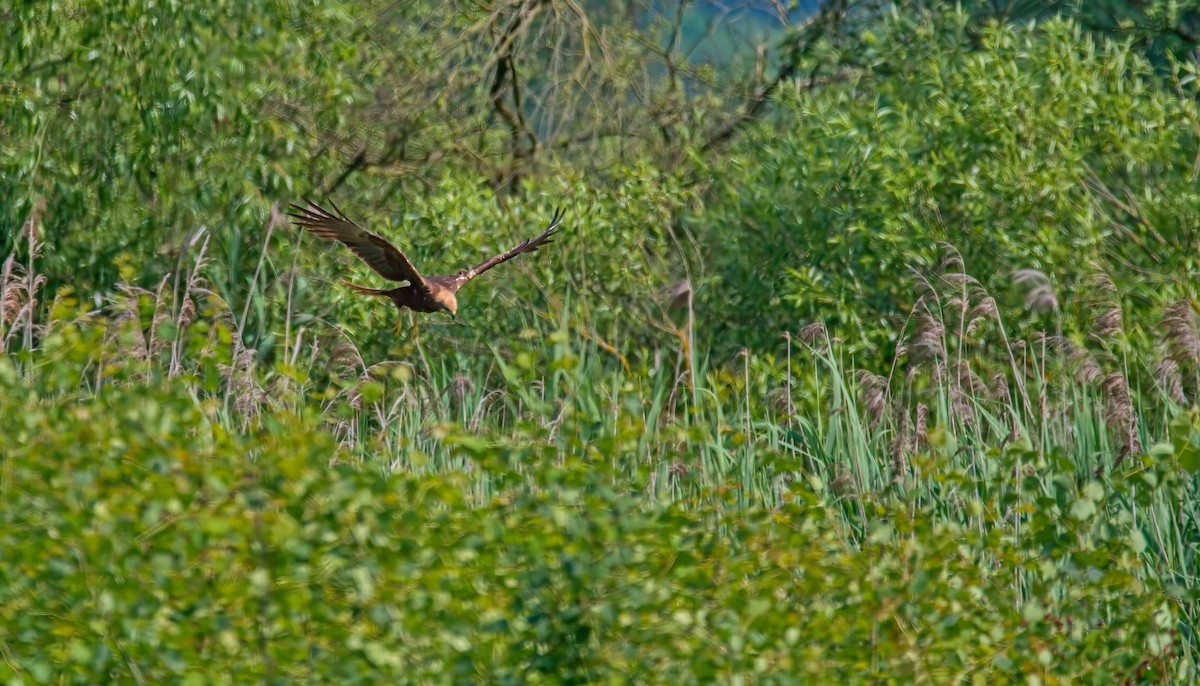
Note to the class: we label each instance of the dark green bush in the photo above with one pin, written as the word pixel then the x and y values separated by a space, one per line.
pixel 144 540
pixel 1039 148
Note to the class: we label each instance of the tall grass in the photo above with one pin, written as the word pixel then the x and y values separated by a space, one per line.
pixel 1057 422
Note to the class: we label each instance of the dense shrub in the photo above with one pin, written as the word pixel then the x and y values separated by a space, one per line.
pixel 147 537
pixel 1025 147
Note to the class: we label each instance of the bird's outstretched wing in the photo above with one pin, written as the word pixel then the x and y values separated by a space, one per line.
pixel 374 249
pixel 528 245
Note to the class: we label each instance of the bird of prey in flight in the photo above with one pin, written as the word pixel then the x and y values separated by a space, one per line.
pixel 423 293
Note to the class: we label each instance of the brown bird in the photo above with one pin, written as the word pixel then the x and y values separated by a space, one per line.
pixel 423 293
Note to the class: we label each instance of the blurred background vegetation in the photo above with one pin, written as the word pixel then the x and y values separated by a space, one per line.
pixel 869 350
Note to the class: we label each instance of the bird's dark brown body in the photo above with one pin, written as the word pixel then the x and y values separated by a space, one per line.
pixel 423 293
pixel 432 298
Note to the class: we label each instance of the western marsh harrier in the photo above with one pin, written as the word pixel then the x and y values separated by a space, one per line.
pixel 423 293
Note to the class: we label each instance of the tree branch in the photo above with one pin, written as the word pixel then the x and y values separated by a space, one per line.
pixel 830 13
pixel 506 72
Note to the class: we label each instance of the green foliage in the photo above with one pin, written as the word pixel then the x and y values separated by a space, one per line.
pixel 1162 30
pixel 1040 149
pixel 216 465
pixel 146 539
pixel 129 129
pixel 116 116
pixel 125 167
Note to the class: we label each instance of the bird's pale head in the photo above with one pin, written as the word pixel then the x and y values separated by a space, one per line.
pixel 447 300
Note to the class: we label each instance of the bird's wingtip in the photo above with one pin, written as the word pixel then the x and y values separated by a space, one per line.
pixel 308 207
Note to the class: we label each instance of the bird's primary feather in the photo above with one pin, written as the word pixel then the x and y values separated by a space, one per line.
pixel 375 250
pixel 528 245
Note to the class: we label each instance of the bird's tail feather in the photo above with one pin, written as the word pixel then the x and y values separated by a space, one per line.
pixel 364 290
